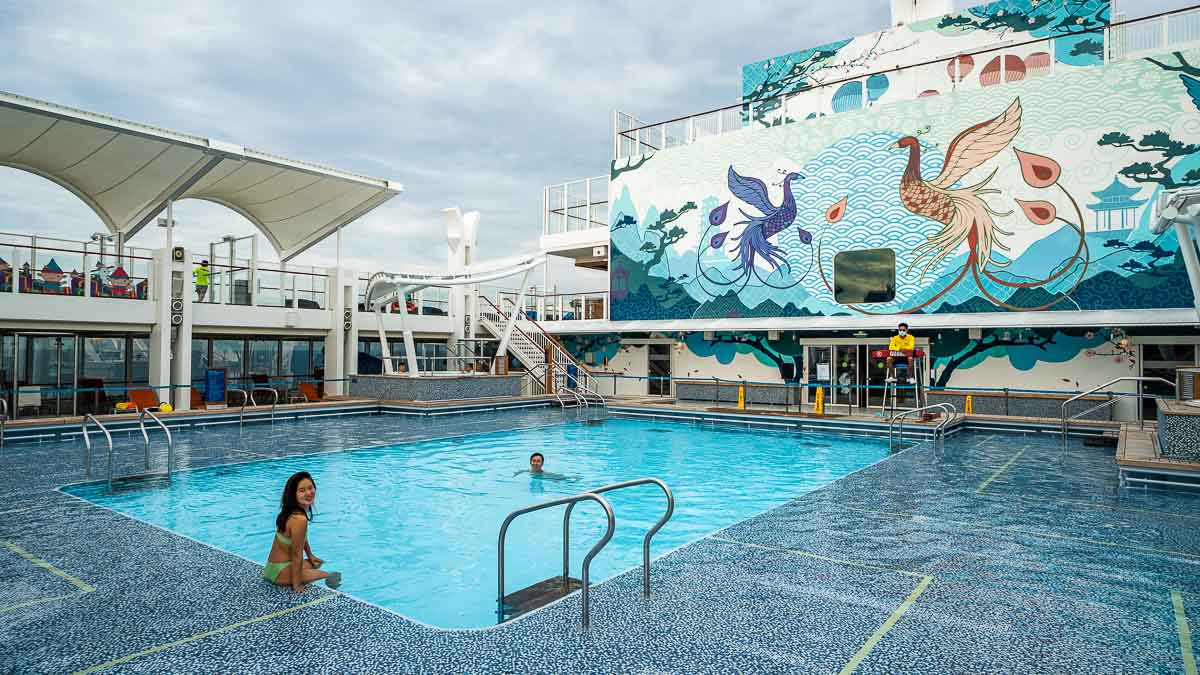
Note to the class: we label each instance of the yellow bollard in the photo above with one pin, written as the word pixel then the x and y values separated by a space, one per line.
pixel 741 397
pixel 819 403
pixel 968 406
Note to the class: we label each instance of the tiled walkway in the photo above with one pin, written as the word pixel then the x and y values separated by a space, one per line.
pixel 988 554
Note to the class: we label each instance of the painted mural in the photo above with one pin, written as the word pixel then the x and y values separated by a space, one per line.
pixel 1072 31
pixel 1026 197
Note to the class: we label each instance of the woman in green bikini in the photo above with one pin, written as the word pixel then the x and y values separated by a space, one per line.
pixel 286 565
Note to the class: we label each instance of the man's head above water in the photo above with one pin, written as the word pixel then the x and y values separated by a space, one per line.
pixel 536 460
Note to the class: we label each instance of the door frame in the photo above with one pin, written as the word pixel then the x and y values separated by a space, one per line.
pixel 863 375
pixel 20 365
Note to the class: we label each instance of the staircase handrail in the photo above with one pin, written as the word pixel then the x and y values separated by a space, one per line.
pixel 557 343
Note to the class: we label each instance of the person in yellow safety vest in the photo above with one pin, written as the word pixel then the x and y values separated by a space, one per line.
pixel 200 277
pixel 900 349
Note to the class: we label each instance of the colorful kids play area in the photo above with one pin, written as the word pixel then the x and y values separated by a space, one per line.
pixel 897 369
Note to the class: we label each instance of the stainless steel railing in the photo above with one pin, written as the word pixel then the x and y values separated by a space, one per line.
pixel 87 447
pixel 1111 401
pixel 948 408
pixel 587 560
pixel 645 540
pixel 146 441
pixel 274 399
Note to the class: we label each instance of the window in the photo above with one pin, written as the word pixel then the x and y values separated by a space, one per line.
pixel 104 359
pixel 199 358
pixel 228 354
pixel 296 358
pixel 862 277
pixel 264 357
pixel 139 362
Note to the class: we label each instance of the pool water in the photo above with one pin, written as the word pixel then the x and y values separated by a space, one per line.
pixel 413 526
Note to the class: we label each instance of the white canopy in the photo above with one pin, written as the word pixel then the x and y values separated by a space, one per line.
pixel 127 172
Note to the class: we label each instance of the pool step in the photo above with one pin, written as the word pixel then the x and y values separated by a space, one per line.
pixel 1108 439
pixel 538 595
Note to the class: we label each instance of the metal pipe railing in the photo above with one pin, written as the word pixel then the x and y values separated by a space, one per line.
pixel 1111 401
pixel 245 399
pixel 645 540
pixel 902 415
pixel 274 398
pixel 587 560
pixel 146 440
pixel 87 445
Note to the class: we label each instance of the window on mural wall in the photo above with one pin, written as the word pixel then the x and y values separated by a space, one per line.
pixel 861 277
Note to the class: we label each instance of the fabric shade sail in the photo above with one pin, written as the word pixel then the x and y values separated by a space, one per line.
pixel 126 173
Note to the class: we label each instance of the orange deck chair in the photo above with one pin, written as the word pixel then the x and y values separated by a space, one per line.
pixel 143 398
pixel 309 390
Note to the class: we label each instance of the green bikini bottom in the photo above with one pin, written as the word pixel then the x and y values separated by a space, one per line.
pixel 272 569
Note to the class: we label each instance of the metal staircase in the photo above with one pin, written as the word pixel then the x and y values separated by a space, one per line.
pixel 530 343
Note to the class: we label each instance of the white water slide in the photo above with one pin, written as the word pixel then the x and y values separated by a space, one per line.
pixel 384 288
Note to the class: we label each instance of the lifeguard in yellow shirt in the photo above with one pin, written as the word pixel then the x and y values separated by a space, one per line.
pixel 900 349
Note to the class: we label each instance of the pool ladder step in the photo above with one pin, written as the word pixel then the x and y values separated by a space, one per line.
pixel 538 595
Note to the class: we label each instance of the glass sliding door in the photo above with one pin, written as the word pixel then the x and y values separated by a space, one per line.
pixel 819 370
pixel 846 390
pixel 659 368
pixel 103 373
pixel 45 375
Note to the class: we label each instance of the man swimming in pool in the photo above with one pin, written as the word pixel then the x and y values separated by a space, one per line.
pixel 536 461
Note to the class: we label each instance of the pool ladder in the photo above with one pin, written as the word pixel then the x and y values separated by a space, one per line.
pixel 939 430
pixel 248 397
pixel 579 392
pixel 590 495
pixel 87 443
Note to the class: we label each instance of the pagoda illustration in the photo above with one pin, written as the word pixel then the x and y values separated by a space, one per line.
pixel 119 280
pixel 52 276
pixel 1117 208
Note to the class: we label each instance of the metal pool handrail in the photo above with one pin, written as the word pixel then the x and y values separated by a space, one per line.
pixel 587 560
pixel 1109 402
pixel 87 443
pixel 274 398
pixel 940 428
pixel 951 415
pixel 645 540
pixel 146 440
pixel 557 393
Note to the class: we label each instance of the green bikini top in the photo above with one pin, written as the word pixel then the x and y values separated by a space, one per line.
pixel 283 539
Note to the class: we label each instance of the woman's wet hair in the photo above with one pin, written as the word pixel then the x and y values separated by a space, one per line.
pixel 289 504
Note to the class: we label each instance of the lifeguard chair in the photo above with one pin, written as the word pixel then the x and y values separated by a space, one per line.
pixel 913 368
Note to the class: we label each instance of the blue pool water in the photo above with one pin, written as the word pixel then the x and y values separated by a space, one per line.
pixel 413 526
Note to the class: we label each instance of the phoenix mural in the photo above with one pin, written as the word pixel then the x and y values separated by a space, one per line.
pixel 982 200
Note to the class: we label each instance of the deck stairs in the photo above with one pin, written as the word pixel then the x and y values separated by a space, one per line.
pixel 530 343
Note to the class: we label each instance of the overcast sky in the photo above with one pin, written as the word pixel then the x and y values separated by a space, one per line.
pixel 468 104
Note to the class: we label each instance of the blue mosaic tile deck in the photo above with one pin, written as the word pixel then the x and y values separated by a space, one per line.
pixel 986 554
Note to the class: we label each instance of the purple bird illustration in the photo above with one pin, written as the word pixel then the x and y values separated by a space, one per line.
pixel 754 241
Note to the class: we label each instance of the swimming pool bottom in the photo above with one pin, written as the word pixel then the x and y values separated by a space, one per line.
pixel 1036 562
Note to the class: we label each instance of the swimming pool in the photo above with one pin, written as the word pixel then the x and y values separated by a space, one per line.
pixel 413 525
